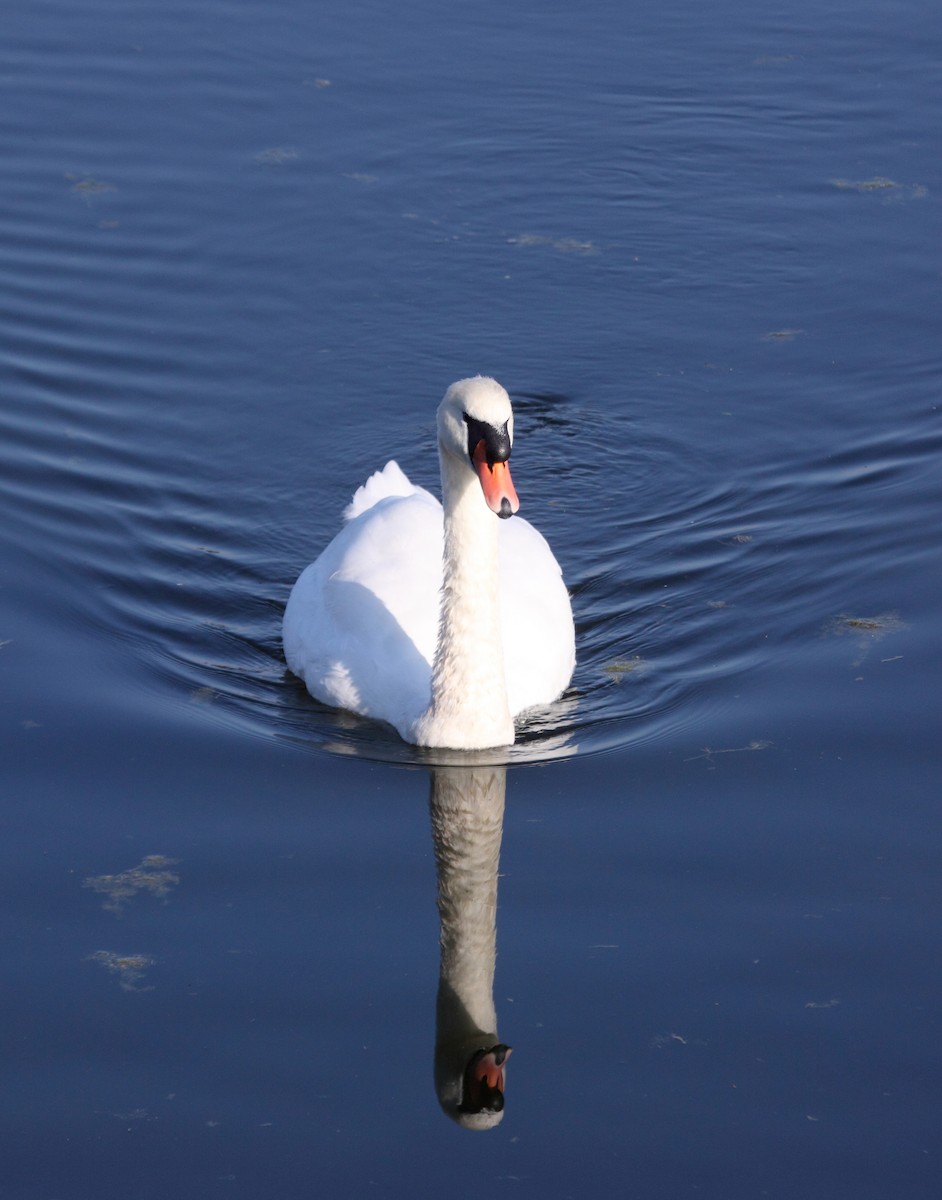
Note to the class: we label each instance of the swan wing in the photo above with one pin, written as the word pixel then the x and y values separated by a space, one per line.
pixel 381 485
pixel 362 620
pixel 536 617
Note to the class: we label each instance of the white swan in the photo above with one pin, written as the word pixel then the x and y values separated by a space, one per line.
pixel 445 623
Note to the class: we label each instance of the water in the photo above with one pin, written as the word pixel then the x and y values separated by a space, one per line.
pixel 245 249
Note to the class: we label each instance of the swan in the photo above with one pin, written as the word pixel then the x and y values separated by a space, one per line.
pixel 441 620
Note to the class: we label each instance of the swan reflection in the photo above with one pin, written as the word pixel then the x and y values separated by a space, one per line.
pixel 467 810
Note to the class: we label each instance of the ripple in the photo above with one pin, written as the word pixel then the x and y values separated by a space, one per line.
pixel 167 546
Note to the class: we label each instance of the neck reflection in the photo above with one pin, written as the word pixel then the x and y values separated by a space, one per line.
pixel 467 811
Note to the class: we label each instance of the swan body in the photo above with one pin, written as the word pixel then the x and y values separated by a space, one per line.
pixel 440 619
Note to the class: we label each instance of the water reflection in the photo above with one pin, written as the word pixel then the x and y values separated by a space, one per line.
pixel 467 810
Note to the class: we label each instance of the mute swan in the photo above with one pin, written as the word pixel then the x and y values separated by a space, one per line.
pixel 445 623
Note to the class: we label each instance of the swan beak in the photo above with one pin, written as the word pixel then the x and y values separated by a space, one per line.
pixel 484 1080
pixel 496 484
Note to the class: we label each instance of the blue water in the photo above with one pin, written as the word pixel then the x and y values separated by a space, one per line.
pixel 245 248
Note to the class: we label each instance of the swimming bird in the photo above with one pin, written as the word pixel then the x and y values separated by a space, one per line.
pixel 443 620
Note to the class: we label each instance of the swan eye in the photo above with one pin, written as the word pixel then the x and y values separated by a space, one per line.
pixel 496 439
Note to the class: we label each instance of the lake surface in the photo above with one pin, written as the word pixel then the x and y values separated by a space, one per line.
pixel 246 247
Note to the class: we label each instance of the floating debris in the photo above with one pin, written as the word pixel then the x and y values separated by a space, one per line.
pixel 621 667
pixel 866 631
pixel 870 624
pixel 661 1040
pixel 563 245
pixel 87 187
pixel 129 968
pixel 877 184
pixel 152 874
pixel 277 155
pixel 782 335
pixel 898 191
pixel 709 753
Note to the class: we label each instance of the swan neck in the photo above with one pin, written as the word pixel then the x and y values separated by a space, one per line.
pixel 469 707
pixel 467 810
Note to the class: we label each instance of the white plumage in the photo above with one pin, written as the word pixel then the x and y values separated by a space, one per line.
pixel 369 627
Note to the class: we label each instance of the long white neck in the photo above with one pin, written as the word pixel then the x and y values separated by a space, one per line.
pixel 468 707
pixel 467 809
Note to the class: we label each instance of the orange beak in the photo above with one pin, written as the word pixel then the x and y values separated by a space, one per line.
pixel 498 487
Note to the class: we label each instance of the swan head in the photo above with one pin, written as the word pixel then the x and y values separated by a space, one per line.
pixel 476 433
